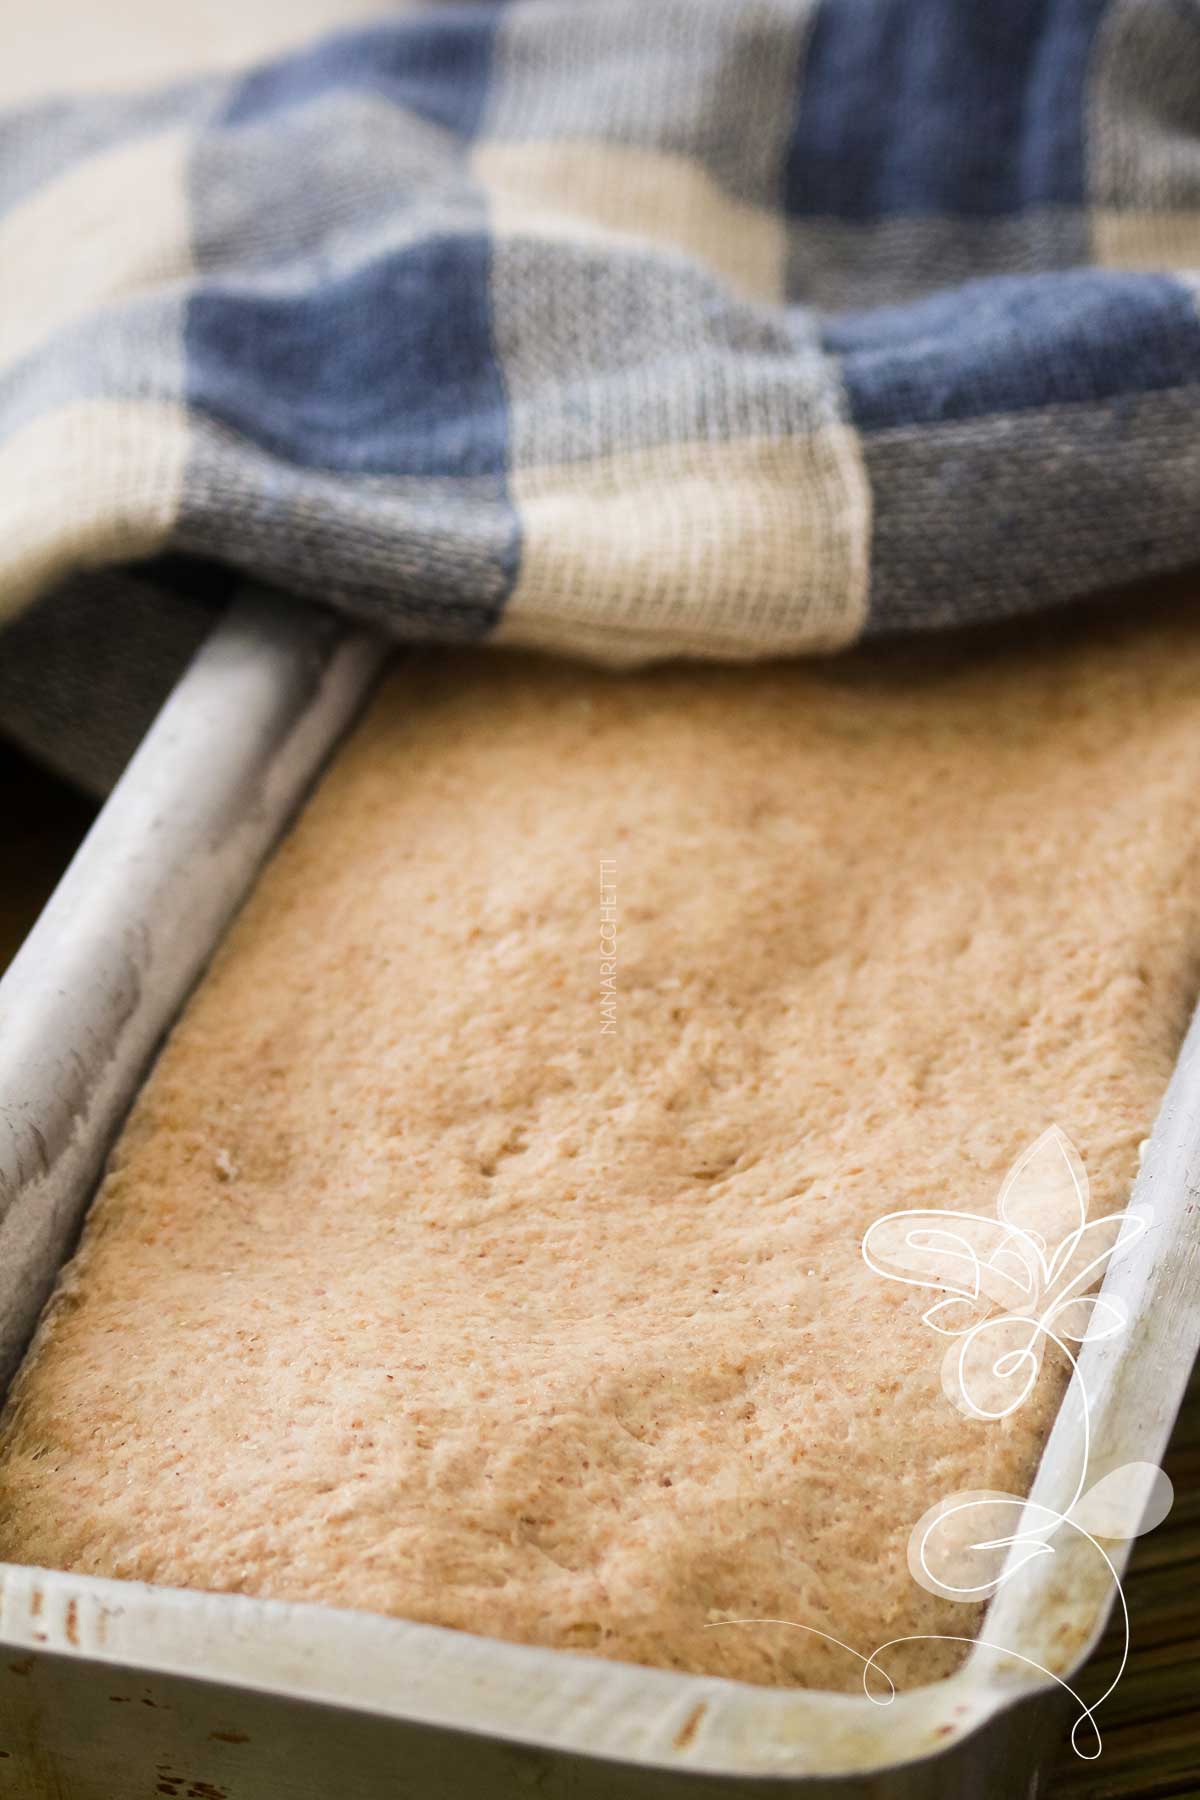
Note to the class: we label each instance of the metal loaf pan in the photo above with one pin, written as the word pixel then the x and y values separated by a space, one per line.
pixel 113 1690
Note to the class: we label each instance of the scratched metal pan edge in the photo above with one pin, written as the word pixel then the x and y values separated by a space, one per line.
pixel 257 1699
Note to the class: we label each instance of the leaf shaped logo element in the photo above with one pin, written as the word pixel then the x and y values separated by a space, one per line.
pixel 960 1548
pixel 1125 1503
pixel 1044 1198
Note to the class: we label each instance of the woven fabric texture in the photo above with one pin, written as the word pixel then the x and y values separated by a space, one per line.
pixel 624 330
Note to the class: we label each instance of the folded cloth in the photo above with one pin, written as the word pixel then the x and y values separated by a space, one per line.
pixel 623 329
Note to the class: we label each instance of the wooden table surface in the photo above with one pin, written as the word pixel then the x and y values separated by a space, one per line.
pixel 1151 1725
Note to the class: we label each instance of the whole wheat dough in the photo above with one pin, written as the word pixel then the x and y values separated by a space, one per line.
pixel 413 1288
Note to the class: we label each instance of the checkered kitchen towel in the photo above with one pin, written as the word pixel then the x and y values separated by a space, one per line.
pixel 626 328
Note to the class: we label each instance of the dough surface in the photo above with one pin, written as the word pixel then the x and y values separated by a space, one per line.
pixel 412 1288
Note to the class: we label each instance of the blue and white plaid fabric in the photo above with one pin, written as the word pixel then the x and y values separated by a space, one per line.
pixel 626 328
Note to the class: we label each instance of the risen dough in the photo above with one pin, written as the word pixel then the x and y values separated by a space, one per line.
pixel 411 1288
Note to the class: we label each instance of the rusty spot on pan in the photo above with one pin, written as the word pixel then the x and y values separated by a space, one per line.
pixel 691 1725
